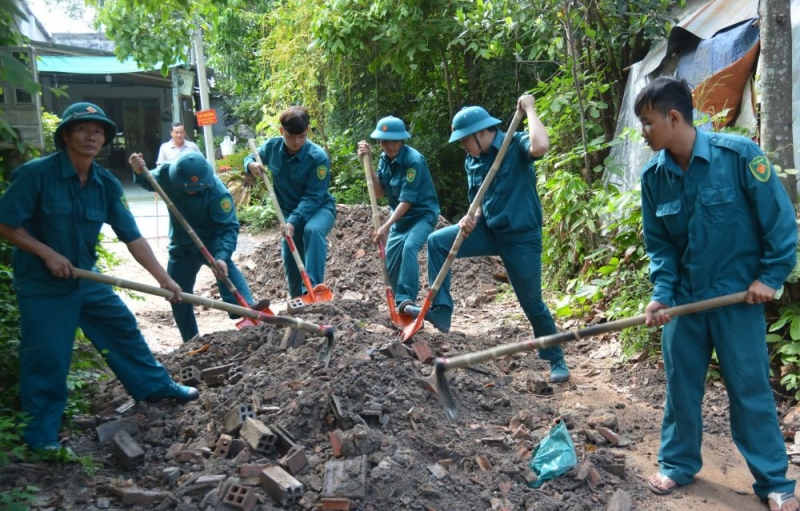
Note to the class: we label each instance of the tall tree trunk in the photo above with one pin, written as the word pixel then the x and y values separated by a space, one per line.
pixel 776 87
pixel 448 83
pixel 572 57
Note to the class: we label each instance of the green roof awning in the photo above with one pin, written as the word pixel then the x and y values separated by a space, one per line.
pixel 89 65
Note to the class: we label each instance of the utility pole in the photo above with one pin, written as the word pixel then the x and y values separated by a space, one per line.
pixel 205 104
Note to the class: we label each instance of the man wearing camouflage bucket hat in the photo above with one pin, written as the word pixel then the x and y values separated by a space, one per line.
pixel 207 206
pixel 52 213
pixel 508 222
pixel 404 179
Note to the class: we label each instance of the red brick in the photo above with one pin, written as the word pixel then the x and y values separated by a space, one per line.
pixel 422 351
pixel 336 442
pixel 295 460
pixel 335 504
pixel 251 470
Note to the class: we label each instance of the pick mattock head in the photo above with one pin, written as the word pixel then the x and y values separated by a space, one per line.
pixel 443 389
pixel 327 348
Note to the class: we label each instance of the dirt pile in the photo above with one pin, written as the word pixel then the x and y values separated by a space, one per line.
pixel 365 432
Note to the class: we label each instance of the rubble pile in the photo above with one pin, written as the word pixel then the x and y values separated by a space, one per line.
pixel 277 429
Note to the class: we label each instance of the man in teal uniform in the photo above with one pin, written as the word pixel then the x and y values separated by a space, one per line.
pixel 508 222
pixel 52 213
pixel 208 208
pixel 403 177
pixel 301 172
pixel 716 221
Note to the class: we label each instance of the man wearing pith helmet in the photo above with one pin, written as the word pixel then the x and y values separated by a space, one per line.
pixel 207 206
pixel 52 213
pixel 404 179
pixel 508 222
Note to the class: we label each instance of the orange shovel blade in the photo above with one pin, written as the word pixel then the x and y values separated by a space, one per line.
pixel 410 330
pixel 261 306
pixel 403 320
pixel 320 293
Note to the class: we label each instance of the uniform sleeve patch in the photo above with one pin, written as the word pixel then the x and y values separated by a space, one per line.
pixel 760 168
pixel 322 171
pixel 124 201
pixel 226 204
pixel 411 174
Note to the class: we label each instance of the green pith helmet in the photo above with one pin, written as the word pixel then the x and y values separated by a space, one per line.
pixel 469 120
pixel 81 112
pixel 191 172
pixel 390 128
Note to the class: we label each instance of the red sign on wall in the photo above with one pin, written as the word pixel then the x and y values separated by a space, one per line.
pixel 206 117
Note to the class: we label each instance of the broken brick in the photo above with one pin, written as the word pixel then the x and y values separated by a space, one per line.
pixel 422 351
pixel 223 446
pixel 105 432
pixel 336 442
pixel 127 450
pixel 251 470
pixel 235 418
pixel 346 478
pixel 335 504
pixel 282 487
pixel 295 460
pixel 240 497
pixel 483 463
pixel 258 436
pixel 191 376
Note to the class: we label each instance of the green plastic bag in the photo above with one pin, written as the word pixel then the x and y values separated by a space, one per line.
pixel 554 455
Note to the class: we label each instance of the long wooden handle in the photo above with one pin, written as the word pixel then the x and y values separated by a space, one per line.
pixel 251 143
pixel 368 171
pixel 549 341
pixel 192 234
pixel 206 302
pixel 476 202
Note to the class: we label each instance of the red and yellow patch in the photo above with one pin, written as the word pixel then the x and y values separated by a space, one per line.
pixel 760 168
pixel 226 204
pixel 411 174
pixel 322 171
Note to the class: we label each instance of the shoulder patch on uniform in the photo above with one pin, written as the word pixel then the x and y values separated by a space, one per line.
pixel 226 204
pixel 760 168
pixel 124 201
pixel 411 174
pixel 322 171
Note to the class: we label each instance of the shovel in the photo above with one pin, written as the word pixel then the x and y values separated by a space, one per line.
pixel 261 306
pixel 414 327
pixel 318 293
pixel 287 321
pixel 401 320
pixel 441 365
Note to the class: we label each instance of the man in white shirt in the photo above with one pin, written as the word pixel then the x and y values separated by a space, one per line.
pixel 170 150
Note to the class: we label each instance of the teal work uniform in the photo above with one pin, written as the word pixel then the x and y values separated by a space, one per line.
pixel 406 178
pixel 211 213
pixel 713 230
pixel 510 227
pixel 301 183
pixel 45 198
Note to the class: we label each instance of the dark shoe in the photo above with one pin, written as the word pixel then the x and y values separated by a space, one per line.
pixel 172 390
pixel 261 305
pixel 559 371
pixel 439 316
pixel 401 307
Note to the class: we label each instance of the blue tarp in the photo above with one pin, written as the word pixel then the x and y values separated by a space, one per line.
pixel 89 65
pixel 717 53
